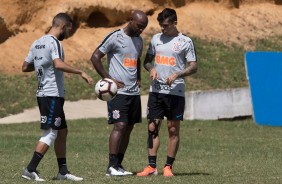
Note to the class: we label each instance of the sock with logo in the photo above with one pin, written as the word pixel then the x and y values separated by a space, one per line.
pixel 152 161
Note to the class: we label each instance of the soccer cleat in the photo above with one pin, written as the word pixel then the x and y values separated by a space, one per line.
pixel 124 171
pixel 148 171
pixel 31 175
pixel 115 171
pixel 68 176
pixel 167 171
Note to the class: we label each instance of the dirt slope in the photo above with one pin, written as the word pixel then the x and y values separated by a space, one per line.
pixel 23 21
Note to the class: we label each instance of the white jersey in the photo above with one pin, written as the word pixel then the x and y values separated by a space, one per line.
pixel 42 54
pixel 123 53
pixel 171 55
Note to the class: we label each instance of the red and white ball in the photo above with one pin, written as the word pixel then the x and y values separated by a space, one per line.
pixel 106 89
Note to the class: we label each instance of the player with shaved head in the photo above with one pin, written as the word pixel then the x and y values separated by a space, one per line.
pixel 123 48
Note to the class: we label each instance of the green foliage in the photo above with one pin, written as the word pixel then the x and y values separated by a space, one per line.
pixel 220 67
pixel 209 152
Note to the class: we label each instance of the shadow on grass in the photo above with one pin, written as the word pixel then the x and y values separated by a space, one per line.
pixel 191 174
pixel 182 174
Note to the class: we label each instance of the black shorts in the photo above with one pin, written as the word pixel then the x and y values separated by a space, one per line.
pixel 170 106
pixel 125 108
pixel 52 113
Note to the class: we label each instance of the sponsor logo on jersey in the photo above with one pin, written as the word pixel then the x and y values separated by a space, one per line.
pixel 165 60
pixel 38 58
pixel 161 86
pixel 130 62
pixel 132 89
pixel 39 46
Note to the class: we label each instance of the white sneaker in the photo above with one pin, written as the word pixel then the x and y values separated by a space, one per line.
pixel 124 171
pixel 31 175
pixel 68 176
pixel 114 172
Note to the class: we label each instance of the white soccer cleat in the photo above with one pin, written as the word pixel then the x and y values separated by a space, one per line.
pixel 31 175
pixel 68 176
pixel 124 171
pixel 115 172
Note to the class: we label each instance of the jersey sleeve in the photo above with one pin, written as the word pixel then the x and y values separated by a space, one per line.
pixel 141 49
pixel 107 43
pixel 151 49
pixel 190 52
pixel 30 58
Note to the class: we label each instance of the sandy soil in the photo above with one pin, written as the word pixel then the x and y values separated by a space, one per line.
pixel 23 21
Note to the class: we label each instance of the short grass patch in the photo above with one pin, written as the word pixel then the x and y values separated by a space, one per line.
pixel 210 152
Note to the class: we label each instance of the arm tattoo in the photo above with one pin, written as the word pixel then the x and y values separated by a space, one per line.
pixel 192 68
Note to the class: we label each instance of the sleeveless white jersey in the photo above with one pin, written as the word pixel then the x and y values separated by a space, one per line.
pixel 42 53
pixel 171 55
pixel 123 52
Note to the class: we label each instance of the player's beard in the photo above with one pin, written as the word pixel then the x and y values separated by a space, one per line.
pixel 61 36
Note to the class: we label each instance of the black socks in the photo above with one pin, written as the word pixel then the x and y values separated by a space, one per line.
pixel 62 163
pixel 36 158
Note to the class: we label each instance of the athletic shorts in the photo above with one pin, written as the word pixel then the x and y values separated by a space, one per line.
pixel 170 106
pixel 125 108
pixel 52 113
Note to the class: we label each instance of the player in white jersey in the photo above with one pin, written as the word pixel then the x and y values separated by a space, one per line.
pixel 46 58
pixel 174 58
pixel 123 48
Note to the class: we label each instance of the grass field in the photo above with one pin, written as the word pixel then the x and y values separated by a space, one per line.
pixel 210 152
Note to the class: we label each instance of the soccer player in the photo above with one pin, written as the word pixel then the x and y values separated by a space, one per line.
pixel 46 58
pixel 123 48
pixel 175 58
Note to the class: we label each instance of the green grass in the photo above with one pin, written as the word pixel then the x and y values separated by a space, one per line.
pixel 210 152
pixel 220 67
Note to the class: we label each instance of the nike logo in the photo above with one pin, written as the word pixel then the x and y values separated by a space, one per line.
pixel 123 46
pixel 178 116
pixel 158 44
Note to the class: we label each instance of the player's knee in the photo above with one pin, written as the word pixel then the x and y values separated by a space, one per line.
pixel 120 126
pixel 49 136
pixel 153 127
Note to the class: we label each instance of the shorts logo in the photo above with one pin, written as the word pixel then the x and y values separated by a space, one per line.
pixel 178 116
pixel 116 114
pixel 58 122
pixel 43 119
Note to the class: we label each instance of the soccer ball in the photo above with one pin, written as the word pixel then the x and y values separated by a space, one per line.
pixel 106 89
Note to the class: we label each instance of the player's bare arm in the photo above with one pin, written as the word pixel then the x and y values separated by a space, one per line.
pixel 149 66
pixel 27 67
pixel 60 65
pixel 96 60
pixel 189 70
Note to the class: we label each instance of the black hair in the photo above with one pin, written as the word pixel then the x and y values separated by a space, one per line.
pixel 61 17
pixel 167 13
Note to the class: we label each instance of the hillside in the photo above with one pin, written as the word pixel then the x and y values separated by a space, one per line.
pixel 23 21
